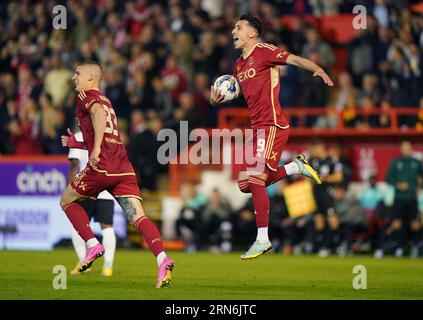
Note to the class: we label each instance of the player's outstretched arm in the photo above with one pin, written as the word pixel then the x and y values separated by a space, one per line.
pixel 99 118
pixel 310 66
pixel 215 96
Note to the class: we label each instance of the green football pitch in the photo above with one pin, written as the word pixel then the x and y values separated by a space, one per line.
pixel 29 275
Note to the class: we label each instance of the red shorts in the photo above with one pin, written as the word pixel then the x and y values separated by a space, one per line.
pixel 89 183
pixel 263 149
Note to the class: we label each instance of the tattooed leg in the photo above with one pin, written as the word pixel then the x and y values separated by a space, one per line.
pixel 132 208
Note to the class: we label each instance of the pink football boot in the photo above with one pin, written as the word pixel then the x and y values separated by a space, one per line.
pixel 92 254
pixel 165 273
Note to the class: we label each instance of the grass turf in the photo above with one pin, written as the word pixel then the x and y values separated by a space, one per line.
pixel 29 275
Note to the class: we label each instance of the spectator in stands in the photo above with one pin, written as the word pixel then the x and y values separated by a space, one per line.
pixel 368 119
pixel 217 211
pixel 115 91
pixel 187 111
pixel 369 89
pixel 348 220
pixel 325 8
pixel 336 153
pixel 315 44
pixel 48 117
pixel 174 78
pixel 201 94
pixel 372 201
pixel 360 56
pixel 25 131
pixel 142 151
pixel 162 100
pixel 57 81
pixel 419 118
pixel 405 174
pixel 139 95
pixel 243 226
pixel 191 217
pixel 384 120
pixel 288 232
pixel 207 55
pixel 381 13
pixel 6 115
pixel 331 173
pixel 345 89
pixel 349 114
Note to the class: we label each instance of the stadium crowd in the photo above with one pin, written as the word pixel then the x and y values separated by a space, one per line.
pixel 160 58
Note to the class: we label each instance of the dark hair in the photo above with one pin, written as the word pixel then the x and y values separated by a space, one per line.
pixel 254 22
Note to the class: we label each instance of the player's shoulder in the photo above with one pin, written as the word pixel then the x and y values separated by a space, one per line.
pixel 264 46
pixel 88 94
pixel 87 98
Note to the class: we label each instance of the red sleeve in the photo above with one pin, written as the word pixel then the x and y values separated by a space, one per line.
pixel 273 55
pixel 86 99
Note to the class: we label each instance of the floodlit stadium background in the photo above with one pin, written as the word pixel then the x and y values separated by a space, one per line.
pixel 160 58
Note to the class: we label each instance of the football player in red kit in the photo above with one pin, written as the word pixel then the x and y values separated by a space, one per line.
pixel 108 169
pixel 257 73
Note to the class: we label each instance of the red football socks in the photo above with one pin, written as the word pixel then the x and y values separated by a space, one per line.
pixel 260 201
pixel 79 219
pixel 151 234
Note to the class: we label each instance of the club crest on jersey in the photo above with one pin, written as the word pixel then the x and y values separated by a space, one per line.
pixel 247 74
pixel 251 61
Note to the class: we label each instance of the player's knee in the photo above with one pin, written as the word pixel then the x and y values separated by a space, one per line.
pixel 243 186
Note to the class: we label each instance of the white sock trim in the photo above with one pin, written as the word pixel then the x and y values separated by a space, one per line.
pixel 78 245
pixel 109 243
pixel 292 168
pixel 263 235
pixel 92 243
pixel 160 258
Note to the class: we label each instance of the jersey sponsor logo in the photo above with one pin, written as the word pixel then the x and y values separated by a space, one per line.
pixel 247 74
pixel 111 140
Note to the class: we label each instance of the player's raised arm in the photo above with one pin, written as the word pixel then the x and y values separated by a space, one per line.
pixel 309 65
pixel 99 118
